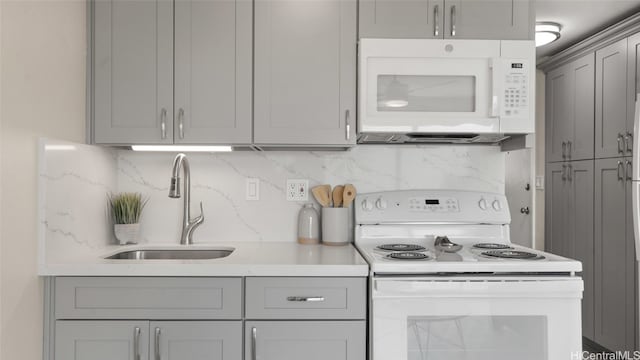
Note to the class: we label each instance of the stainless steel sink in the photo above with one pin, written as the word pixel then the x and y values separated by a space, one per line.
pixel 174 254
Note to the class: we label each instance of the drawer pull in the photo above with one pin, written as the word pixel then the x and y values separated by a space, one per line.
pixel 305 298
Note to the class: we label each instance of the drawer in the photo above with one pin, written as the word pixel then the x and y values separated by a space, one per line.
pixel 305 298
pixel 148 298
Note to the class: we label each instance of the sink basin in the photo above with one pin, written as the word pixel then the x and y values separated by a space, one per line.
pixel 174 254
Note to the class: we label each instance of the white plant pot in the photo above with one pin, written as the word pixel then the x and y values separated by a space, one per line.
pixel 126 233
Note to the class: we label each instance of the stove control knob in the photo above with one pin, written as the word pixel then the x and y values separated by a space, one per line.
pixel 482 204
pixel 381 204
pixel 496 205
pixel 367 205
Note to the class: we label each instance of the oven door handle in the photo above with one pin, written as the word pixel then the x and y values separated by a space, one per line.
pixel 487 287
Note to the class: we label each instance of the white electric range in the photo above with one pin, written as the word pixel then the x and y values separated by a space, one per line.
pixel 447 283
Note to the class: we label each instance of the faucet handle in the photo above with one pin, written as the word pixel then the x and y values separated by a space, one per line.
pixel 199 219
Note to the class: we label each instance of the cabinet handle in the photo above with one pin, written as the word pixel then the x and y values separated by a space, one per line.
pixel 525 210
pixel 254 346
pixel 564 172
pixel 620 148
pixel 157 344
pixel 564 149
pixel 306 298
pixel 569 173
pixel 136 343
pixel 569 148
pixel 181 123
pixel 453 21
pixel 628 142
pixel 628 168
pixel 620 171
pixel 163 123
pixel 436 20
pixel 347 121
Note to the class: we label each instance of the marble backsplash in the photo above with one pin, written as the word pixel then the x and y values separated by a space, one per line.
pixel 74 183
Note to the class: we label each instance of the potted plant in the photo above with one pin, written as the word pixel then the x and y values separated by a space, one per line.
pixel 126 209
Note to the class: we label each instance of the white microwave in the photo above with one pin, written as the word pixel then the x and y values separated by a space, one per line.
pixel 414 90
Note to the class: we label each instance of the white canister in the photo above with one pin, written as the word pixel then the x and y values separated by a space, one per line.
pixel 308 225
pixel 335 226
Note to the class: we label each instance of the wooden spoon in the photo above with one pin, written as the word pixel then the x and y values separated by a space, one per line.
pixel 337 195
pixel 348 195
pixel 322 193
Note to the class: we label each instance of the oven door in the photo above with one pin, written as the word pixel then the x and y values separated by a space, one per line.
pixel 429 86
pixel 471 319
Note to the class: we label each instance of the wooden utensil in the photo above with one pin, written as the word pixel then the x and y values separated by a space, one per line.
pixel 337 195
pixel 348 195
pixel 322 193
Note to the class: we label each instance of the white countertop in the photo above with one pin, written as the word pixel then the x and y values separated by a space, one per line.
pixel 248 259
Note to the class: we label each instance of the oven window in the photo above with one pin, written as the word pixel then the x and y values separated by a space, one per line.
pixel 426 93
pixel 477 338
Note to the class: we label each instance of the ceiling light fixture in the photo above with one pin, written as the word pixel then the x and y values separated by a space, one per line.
pixel 182 148
pixel 547 32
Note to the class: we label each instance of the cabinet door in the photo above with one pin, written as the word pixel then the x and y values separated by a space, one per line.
pixel 611 100
pixel 309 340
pixel 132 71
pixel 403 19
pixel 305 72
pixel 196 340
pixel 582 122
pixel 580 180
pixel 558 112
pixel 611 254
pixel 101 340
pixel 213 71
pixel 633 84
pixel 557 205
pixel 632 272
pixel 489 19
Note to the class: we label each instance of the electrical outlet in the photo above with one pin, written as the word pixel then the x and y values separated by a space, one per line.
pixel 297 190
pixel 539 182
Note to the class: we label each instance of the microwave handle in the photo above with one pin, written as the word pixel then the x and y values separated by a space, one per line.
pixel 496 76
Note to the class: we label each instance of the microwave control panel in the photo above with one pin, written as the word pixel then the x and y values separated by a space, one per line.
pixel 516 85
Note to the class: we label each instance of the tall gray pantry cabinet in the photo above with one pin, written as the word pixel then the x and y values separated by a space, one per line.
pixel 590 103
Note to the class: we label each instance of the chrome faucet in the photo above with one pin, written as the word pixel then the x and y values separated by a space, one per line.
pixel 188 225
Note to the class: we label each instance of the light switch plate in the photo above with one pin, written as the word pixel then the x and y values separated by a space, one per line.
pixel 253 189
pixel 539 182
pixel 297 190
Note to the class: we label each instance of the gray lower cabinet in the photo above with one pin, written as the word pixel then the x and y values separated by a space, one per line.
pixel 305 72
pixel 143 340
pixel 570 110
pixel 196 340
pixel 101 340
pixel 169 72
pixel 569 224
pixel 615 277
pixel 613 128
pixel 309 340
pixel 432 19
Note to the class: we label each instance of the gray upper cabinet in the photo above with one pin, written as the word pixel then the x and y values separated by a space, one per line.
pixel 132 98
pixel 101 340
pixel 135 99
pixel 612 131
pixel 464 19
pixel 309 340
pixel 489 19
pixel 305 72
pixel 614 261
pixel 420 19
pixel 633 78
pixel 196 340
pixel 570 111
pixel 213 54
